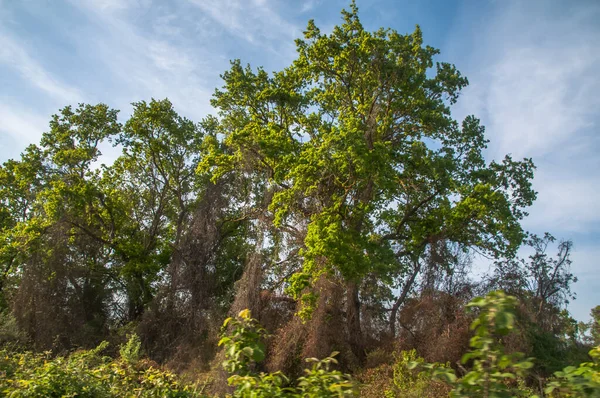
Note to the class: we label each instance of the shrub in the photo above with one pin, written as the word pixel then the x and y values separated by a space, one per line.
pixel 399 380
pixel 493 372
pixel 244 349
pixel 87 374
pixel 581 381
pixel 9 330
pixel 321 381
pixel 243 344
pixel 130 351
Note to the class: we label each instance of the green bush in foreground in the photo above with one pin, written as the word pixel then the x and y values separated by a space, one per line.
pixel 88 374
pixel 396 379
pixel 496 374
pixel 492 372
pixel 581 381
pixel 244 348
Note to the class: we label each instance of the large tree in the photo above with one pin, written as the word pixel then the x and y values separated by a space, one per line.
pixel 360 156
pixel 58 267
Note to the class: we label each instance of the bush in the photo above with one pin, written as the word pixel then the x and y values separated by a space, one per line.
pixel 581 381
pixel 244 349
pixel 398 380
pixel 493 372
pixel 10 334
pixel 87 374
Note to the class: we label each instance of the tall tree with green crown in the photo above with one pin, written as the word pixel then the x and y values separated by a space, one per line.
pixel 356 138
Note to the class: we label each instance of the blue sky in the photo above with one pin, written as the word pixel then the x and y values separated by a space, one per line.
pixel 533 67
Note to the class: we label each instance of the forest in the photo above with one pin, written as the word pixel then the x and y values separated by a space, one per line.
pixel 314 237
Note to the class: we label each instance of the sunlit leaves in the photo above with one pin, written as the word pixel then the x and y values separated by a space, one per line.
pixel 356 137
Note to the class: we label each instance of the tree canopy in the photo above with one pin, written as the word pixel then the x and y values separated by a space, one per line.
pixel 356 150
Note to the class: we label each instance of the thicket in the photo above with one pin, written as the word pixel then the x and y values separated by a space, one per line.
pixel 493 372
pixel 337 199
pixel 88 373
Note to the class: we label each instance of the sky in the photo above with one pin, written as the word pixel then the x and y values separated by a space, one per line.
pixel 532 65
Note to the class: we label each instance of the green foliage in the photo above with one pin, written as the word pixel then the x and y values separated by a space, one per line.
pixel 355 137
pixel 403 377
pixel 130 351
pixel 593 327
pixel 321 381
pixel 49 247
pixel 243 346
pixel 553 352
pixel 262 385
pixel 243 349
pixel 494 373
pixel 408 381
pixel 10 333
pixel 318 381
pixel 492 370
pixel 76 238
pixel 581 381
pixel 86 374
pixel 491 367
pixel 346 167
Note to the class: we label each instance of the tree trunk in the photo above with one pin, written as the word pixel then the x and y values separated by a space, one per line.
pixel 355 336
pixel 405 290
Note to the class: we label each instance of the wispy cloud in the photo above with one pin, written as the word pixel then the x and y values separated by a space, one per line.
pixel 254 21
pixel 534 73
pixel 538 98
pixel 309 5
pixel 150 65
pixel 14 55
pixel 20 127
pixel 533 68
pixel 122 52
pixel 567 203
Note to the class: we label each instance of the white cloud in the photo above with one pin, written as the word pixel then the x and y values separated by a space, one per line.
pixel 254 21
pixel 166 26
pixel 149 65
pixel 20 127
pixel 565 204
pixel 536 77
pixel 536 98
pixel 14 55
pixel 309 5
pixel 117 6
pixel 533 72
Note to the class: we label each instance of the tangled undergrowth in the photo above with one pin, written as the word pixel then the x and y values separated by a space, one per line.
pixel 491 372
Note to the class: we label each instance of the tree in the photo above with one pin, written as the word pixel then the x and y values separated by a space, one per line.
pixel 590 331
pixel 86 247
pixel 50 248
pixel 363 160
pixel 20 181
pixel 157 189
pixel 543 282
pixel 543 285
